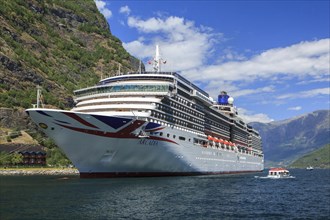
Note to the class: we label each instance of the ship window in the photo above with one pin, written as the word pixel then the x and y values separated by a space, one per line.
pixel 161 133
pixel 173 135
pixel 182 138
pixel 168 135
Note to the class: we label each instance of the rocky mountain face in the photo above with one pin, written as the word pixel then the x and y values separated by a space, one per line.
pixel 287 140
pixel 58 45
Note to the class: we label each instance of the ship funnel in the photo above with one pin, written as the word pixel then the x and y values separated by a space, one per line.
pixel 223 98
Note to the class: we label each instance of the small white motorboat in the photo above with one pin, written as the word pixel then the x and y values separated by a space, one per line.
pixel 309 168
pixel 277 173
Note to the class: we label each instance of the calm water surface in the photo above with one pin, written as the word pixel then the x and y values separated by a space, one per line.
pixel 204 197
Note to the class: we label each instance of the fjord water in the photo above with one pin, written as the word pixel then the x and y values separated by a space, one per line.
pixel 200 197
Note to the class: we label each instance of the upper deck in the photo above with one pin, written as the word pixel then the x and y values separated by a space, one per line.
pixel 146 76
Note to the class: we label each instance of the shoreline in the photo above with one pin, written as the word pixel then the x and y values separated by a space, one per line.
pixel 37 171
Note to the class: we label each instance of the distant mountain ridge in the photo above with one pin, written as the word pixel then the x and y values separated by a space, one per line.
pixel 287 140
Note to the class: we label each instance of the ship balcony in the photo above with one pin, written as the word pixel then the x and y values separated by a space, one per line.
pixel 120 100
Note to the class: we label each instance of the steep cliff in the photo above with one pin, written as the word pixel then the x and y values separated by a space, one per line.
pixel 59 45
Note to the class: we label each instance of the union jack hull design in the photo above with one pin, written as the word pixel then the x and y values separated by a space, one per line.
pixel 109 146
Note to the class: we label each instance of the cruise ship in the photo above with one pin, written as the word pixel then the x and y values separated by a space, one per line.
pixel 155 123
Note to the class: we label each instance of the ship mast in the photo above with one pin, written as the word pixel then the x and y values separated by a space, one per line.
pixel 119 72
pixel 140 67
pixel 157 60
pixel 39 98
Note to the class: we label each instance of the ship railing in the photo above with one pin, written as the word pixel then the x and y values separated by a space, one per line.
pixel 153 72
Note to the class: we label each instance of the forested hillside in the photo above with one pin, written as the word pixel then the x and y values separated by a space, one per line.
pixel 318 159
pixel 59 45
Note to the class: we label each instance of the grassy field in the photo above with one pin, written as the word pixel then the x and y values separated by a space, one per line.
pixel 23 138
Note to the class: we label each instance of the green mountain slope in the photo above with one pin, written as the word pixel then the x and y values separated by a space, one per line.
pixel 319 158
pixel 59 45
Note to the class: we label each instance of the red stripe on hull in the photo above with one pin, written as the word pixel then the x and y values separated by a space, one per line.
pixel 157 174
pixel 77 118
pixel 130 128
pixel 153 130
pixel 119 134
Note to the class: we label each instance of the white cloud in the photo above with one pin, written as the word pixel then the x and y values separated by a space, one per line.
pixel 306 94
pixel 302 59
pixel 245 92
pixel 189 49
pixel 248 116
pixel 317 80
pixel 230 55
pixel 182 43
pixel 213 87
pixel 101 6
pixel 306 59
pixel 125 10
pixel 296 108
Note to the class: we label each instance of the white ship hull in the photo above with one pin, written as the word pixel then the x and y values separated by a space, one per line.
pixel 107 146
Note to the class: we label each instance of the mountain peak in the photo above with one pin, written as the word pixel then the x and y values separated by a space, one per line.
pixel 314 114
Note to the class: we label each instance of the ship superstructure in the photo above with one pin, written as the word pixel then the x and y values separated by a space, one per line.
pixel 152 124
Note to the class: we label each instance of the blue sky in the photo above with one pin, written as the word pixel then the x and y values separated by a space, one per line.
pixel 271 56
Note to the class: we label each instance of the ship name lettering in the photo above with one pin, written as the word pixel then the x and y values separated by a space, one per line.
pixel 206 153
pixel 148 142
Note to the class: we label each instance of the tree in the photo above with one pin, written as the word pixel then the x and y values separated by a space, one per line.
pixel 16 158
pixel 49 143
pixel 55 157
pixel 5 158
